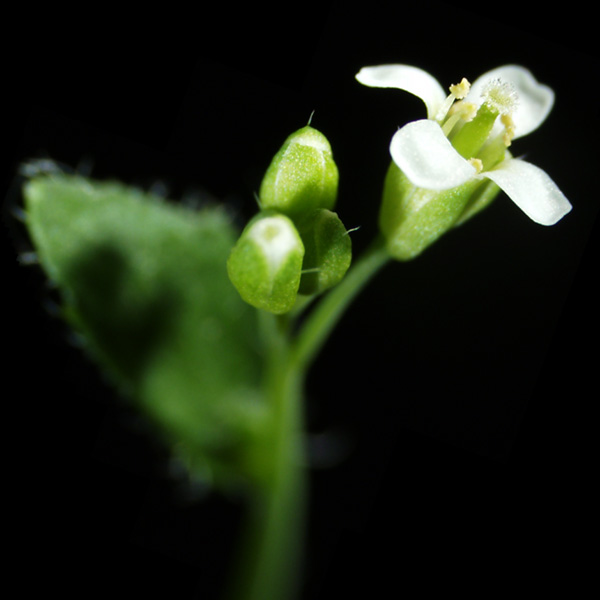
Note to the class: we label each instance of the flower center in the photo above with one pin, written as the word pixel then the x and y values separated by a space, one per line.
pixel 470 128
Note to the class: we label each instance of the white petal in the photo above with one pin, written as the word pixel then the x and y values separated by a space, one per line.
pixel 531 189
pixel 427 158
pixel 407 78
pixel 535 99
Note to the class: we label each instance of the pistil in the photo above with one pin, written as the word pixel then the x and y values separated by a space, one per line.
pixel 499 99
pixel 473 135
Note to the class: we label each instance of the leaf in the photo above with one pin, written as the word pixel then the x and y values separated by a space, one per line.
pixel 145 282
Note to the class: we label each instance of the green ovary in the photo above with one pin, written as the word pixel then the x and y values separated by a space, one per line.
pixel 469 140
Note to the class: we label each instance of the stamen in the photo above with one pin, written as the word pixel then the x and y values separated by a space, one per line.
pixel 460 110
pixel 457 92
pixel 501 96
pixel 477 163
pixel 466 110
pixel 460 90
pixel 509 129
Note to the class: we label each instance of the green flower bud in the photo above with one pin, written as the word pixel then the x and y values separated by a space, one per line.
pixel 412 218
pixel 266 263
pixel 302 175
pixel 328 251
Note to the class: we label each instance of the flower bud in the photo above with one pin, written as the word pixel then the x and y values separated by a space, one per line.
pixel 328 251
pixel 266 263
pixel 302 175
pixel 412 218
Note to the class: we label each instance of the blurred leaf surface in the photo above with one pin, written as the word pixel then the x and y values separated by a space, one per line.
pixel 145 282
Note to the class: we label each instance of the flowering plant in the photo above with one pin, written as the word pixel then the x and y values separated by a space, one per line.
pixel 211 331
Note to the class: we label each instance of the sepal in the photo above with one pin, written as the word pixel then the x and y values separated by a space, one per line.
pixel 302 176
pixel 328 251
pixel 413 218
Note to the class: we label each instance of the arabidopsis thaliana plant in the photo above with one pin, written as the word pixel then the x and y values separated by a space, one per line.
pixel 466 134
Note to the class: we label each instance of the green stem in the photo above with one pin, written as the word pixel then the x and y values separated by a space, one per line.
pixel 330 309
pixel 273 545
pixel 273 549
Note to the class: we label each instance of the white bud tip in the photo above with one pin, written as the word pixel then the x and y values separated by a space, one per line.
pixel 308 136
pixel 276 237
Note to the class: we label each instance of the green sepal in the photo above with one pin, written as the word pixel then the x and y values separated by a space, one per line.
pixel 412 218
pixel 328 251
pixel 266 262
pixel 302 175
pixel 144 282
pixel 481 198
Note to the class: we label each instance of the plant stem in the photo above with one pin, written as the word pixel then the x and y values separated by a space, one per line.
pixel 329 311
pixel 270 562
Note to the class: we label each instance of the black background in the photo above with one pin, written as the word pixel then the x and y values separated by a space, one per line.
pixel 459 387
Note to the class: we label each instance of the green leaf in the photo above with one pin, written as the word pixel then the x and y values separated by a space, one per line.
pixel 145 282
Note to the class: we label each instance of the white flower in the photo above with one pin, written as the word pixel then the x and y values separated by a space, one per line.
pixel 466 134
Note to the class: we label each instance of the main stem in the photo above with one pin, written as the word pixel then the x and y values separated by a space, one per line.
pixel 275 537
pixel 273 545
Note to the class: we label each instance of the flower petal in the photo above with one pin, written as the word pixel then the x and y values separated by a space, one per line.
pixel 531 189
pixel 535 99
pixel 424 154
pixel 407 78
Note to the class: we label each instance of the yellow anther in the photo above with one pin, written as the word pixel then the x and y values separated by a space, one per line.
pixel 457 92
pixel 509 129
pixel 465 110
pixel 459 111
pixel 460 90
pixel 476 162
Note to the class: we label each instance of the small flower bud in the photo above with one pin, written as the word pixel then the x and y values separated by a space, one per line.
pixel 266 263
pixel 302 175
pixel 412 218
pixel 328 251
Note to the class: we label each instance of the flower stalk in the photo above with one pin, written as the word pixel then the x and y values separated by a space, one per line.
pixel 444 169
pixel 331 308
